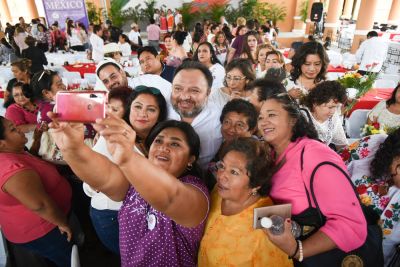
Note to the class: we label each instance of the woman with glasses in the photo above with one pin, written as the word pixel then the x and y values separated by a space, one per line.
pixel 238 119
pixel 297 152
pixel 21 70
pixel 166 204
pixel 239 76
pixel 205 54
pixel 243 183
pixel 144 108
pixel 374 165
pixel 309 68
pixel 322 108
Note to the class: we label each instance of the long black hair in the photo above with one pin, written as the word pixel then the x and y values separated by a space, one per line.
pixel 392 99
pixel 214 59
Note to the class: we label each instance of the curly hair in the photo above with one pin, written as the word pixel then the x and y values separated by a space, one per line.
pixel 214 59
pixel 299 58
pixel 392 99
pixel 384 156
pixel 259 163
pixel 242 107
pixel 303 127
pixel 266 87
pixel 323 93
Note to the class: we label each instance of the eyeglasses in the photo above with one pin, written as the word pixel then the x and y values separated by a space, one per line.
pixel 220 166
pixel 235 78
pixel 238 126
pixel 153 90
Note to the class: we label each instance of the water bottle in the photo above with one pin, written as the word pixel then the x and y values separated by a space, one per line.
pixel 276 225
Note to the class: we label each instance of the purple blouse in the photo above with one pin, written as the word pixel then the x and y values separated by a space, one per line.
pixel 147 237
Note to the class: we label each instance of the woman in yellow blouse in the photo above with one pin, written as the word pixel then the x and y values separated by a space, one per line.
pixel 243 183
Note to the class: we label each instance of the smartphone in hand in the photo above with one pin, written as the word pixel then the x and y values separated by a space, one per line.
pixel 81 106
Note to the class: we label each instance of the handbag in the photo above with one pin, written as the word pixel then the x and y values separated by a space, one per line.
pixel 370 254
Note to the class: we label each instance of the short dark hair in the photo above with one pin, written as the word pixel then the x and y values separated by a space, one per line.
pixel 26 90
pixel 194 65
pixel 152 21
pixel 242 107
pixel 309 48
pixel 323 93
pixel 192 139
pixel 23 64
pixel 162 104
pixel 303 127
pixel 30 41
pixel 107 64
pixel 179 37
pixel 392 98
pixel 96 28
pixel 149 49
pixel 372 34
pixel 214 59
pixel 121 93
pixel 259 163
pixel 266 87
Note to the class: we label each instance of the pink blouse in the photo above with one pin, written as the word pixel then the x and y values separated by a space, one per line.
pixel 346 224
pixel 21 116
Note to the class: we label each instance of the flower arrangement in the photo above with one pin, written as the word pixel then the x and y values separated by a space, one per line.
pixel 373 128
pixel 362 83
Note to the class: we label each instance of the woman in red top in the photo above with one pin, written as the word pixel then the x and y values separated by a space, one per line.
pixel 163 23
pixel 34 199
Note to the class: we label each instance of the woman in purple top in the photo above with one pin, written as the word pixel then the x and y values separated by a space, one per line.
pixel 165 202
pixel 20 109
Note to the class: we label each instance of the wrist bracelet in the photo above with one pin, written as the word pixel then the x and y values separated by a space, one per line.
pixel 295 252
pixel 300 252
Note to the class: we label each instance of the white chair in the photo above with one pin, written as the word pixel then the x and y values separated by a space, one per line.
pixel 384 84
pixel 90 77
pixel 355 122
pixel 75 262
pixel 333 76
pixel 392 77
pixel 71 76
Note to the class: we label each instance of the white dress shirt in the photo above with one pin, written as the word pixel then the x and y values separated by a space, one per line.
pixel 373 50
pixel 218 73
pixel 134 36
pixel 97 47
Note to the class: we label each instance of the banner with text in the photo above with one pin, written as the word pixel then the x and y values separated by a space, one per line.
pixel 61 10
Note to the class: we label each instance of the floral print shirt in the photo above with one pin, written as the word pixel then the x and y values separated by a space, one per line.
pixel 386 202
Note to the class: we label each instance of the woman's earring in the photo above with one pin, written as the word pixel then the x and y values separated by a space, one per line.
pixel 254 193
pixel 189 167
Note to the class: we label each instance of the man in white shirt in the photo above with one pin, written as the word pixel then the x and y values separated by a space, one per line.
pixel 178 17
pixel 372 53
pixel 191 87
pixel 134 34
pixel 97 44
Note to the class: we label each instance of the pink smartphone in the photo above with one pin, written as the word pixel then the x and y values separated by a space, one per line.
pixel 81 106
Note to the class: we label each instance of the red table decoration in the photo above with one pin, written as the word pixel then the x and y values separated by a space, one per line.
pixel 81 68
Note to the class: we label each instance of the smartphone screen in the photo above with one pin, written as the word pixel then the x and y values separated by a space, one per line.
pixel 81 106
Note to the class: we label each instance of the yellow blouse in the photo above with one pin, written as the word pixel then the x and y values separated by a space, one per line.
pixel 232 241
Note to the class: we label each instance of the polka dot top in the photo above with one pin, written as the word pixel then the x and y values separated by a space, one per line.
pixel 150 238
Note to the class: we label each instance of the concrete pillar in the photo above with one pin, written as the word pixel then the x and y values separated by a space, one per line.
pixel 332 19
pixel 32 10
pixel 394 15
pixel 364 23
pixel 356 10
pixel 5 13
pixel 348 8
pixel 298 25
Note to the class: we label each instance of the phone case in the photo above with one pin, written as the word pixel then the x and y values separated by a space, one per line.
pixel 81 106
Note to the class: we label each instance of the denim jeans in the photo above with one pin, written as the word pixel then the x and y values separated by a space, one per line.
pixel 155 44
pixel 105 222
pixel 53 246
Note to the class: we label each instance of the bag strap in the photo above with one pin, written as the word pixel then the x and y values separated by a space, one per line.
pixel 305 187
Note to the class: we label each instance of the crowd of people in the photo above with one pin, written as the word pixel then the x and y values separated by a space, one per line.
pixel 217 124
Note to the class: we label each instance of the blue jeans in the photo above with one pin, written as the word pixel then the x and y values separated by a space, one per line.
pixel 53 246
pixel 105 222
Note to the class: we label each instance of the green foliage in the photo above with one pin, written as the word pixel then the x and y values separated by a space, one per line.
pixel 116 15
pixel 188 17
pixel 149 9
pixel 216 11
pixel 94 13
pixel 133 14
pixel 304 10
pixel 275 13
pixel 247 8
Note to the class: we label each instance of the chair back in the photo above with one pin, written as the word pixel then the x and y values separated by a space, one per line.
pixel 355 122
pixel 71 76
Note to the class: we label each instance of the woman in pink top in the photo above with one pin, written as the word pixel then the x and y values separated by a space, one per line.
pixel 20 109
pixel 291 135
pixel 34 199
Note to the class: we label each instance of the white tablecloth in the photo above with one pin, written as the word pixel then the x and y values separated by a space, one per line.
pixel 60 58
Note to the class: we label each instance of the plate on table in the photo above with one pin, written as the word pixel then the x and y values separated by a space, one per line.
pixel 78 66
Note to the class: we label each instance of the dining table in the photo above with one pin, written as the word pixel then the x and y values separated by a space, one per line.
pixel 372 98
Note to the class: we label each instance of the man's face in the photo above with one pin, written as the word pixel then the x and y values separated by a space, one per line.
pixel 189 93
pixel 113 77
pixel 150 64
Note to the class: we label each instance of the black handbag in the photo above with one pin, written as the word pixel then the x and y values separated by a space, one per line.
pixel 370 254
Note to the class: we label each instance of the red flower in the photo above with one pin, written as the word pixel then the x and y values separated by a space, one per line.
pixel 376 125
pixel 375 188
pixel 389 214
pixel 364 152
pixel 361 189
pixel 345 154
pixel 368 66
